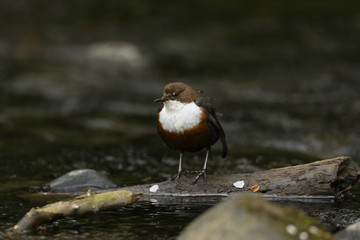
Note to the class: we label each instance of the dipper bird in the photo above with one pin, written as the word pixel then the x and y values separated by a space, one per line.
pixel 187 122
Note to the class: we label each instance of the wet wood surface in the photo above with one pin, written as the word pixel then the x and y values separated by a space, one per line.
pixel 324 179
pixel 87 203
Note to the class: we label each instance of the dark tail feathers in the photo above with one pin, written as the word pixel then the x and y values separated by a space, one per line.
pixel 224 145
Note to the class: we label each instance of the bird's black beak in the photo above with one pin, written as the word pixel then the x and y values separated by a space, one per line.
pixel 159 100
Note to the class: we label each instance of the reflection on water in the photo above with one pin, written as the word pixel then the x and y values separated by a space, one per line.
pixel 77 83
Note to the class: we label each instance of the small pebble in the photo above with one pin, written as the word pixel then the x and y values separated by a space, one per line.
pixel 239 184
pixel 154 188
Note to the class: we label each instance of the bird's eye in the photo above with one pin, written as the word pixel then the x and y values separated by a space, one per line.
pixel 175 94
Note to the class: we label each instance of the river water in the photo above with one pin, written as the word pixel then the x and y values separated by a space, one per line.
pixel 77 84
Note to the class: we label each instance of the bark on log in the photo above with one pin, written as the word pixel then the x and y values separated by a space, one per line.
pixel 89 202
pixel 320 180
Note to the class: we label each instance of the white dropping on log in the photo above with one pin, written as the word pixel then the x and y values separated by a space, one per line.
pixel 239 184
pixel 75 206
pixel 154 188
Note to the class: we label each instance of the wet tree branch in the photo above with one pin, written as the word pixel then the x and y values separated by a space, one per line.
pixel 89 202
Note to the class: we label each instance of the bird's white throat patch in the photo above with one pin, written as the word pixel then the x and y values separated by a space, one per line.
pixel 176 116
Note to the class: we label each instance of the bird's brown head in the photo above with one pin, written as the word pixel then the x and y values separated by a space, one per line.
pixel 180 92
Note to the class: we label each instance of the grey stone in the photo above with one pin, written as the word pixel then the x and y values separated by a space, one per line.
pixel 250 217
pixel 352 232
pixel 81 180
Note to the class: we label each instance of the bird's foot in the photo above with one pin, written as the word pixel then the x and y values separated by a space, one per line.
pixel 202 173
pixel 176 177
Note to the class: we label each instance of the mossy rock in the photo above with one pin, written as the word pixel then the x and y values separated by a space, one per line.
pixel 251 217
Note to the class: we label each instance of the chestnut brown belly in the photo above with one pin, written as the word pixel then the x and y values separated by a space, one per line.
pixel 190 140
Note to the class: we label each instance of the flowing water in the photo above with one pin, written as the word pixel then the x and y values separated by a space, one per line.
pixel 77 84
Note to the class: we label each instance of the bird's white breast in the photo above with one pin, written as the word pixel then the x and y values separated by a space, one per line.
pixel 176 116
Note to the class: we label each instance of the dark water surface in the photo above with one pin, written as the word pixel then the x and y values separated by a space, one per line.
pixel 77 84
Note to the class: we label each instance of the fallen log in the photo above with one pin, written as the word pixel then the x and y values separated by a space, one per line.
pixel 325 179
pixel 89 202
pixel 320 180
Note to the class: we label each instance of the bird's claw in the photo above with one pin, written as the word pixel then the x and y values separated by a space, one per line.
pixel 202 173
pixel 177 177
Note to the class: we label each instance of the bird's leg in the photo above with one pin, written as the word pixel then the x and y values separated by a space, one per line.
pixel 203 171
pixel 180 170
pixel 177 177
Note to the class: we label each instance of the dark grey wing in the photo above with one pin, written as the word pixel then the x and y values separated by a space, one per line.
pixel 216 130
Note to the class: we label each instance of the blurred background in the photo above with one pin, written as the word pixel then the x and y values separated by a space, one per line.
pixel 78 80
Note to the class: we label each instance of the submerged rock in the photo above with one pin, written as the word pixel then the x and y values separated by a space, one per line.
pixel 352 232
pixel 251 217
pixel 81 180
